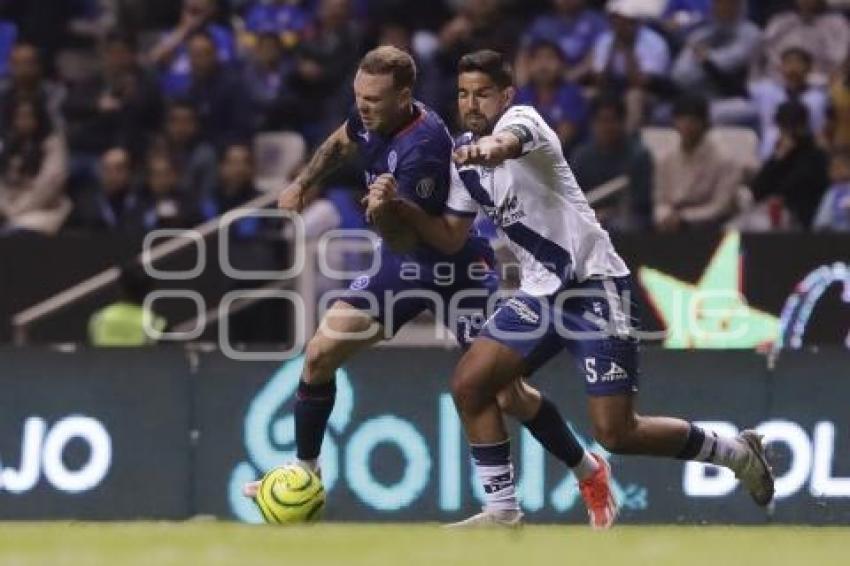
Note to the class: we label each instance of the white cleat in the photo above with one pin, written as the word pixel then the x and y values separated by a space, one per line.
pixel 756 475
pixel 503 518
pixel 251 489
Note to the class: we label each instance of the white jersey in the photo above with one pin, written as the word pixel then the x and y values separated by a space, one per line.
pixel 537 203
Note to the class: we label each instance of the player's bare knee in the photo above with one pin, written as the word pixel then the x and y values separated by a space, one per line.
pixel 467 393
pixel 614 437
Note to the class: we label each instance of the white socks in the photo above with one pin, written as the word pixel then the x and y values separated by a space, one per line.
pixel 586 467
pixel 723 451
pixel 496 473
pixel 499 487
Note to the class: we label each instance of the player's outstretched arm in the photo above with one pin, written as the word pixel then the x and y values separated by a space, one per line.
pixel 327 159
pixel 447 233
pixel 490 151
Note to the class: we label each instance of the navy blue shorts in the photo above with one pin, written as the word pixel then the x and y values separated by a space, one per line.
pixel 394 295
pixel 594 320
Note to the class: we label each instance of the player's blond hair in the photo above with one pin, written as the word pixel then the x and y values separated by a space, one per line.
pixel 389 60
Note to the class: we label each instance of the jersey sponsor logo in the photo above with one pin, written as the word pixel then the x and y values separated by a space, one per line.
pixel 425 187
pixel 508 213
pixel 392 161
pixel 523 311
pixel 496 484
pixel 615 372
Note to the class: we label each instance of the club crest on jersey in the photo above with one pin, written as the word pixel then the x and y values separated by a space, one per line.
pixel 392 161
pixel 360 283
pixel 425 187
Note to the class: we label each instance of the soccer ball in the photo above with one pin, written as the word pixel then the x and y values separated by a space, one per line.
pixel 290 494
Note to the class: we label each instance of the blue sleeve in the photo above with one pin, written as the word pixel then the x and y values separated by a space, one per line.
pixel 425 180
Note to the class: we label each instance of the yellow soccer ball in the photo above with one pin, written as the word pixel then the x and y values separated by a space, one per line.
pixel 290 494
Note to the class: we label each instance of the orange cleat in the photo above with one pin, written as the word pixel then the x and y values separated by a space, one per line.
pixel 602 507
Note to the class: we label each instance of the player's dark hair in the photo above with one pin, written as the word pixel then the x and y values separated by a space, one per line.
pixel 691 105
pixel 489 62
pixel 608 101
pixel 389 60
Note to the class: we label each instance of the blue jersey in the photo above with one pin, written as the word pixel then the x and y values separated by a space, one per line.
pixel 418 155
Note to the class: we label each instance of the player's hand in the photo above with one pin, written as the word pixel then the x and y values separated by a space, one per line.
pixel 479 153
pixel 381 192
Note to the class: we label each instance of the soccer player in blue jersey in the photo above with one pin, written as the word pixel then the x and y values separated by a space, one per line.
pixel 392 134
pixel 574 294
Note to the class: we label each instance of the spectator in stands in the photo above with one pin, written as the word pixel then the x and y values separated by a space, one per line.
pixel 795 175
pixel 125 323
pixel 265 76
pixel 427 87
pixel 715 61
pixel 119 106
pixel 324 65
pixel 194 157
pixel 171 53
pixel 235 188
pixel 574 28
pixel 631 59
pixel 696 184
pixel 33 170
pixel 838 113
pixel 8 36
pixel 224 112
pixel 680 17
pixel 164 204
pixel 478 24
pixel 112 204
pixel 287 19
pixel 559 102
pixel 834 211
pixel 825 34
pixel 769 94
pixel 26 81
pixel 613 153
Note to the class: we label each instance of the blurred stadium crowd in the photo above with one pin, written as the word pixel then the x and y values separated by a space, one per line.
pixel 123 116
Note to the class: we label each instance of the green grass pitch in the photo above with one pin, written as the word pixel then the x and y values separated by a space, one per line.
pixel 212 543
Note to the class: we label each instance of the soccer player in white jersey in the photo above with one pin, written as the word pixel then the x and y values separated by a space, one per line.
pixel 575 294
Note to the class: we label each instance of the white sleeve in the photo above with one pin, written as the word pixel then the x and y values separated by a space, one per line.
pixel 526 124
pixel 460 202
